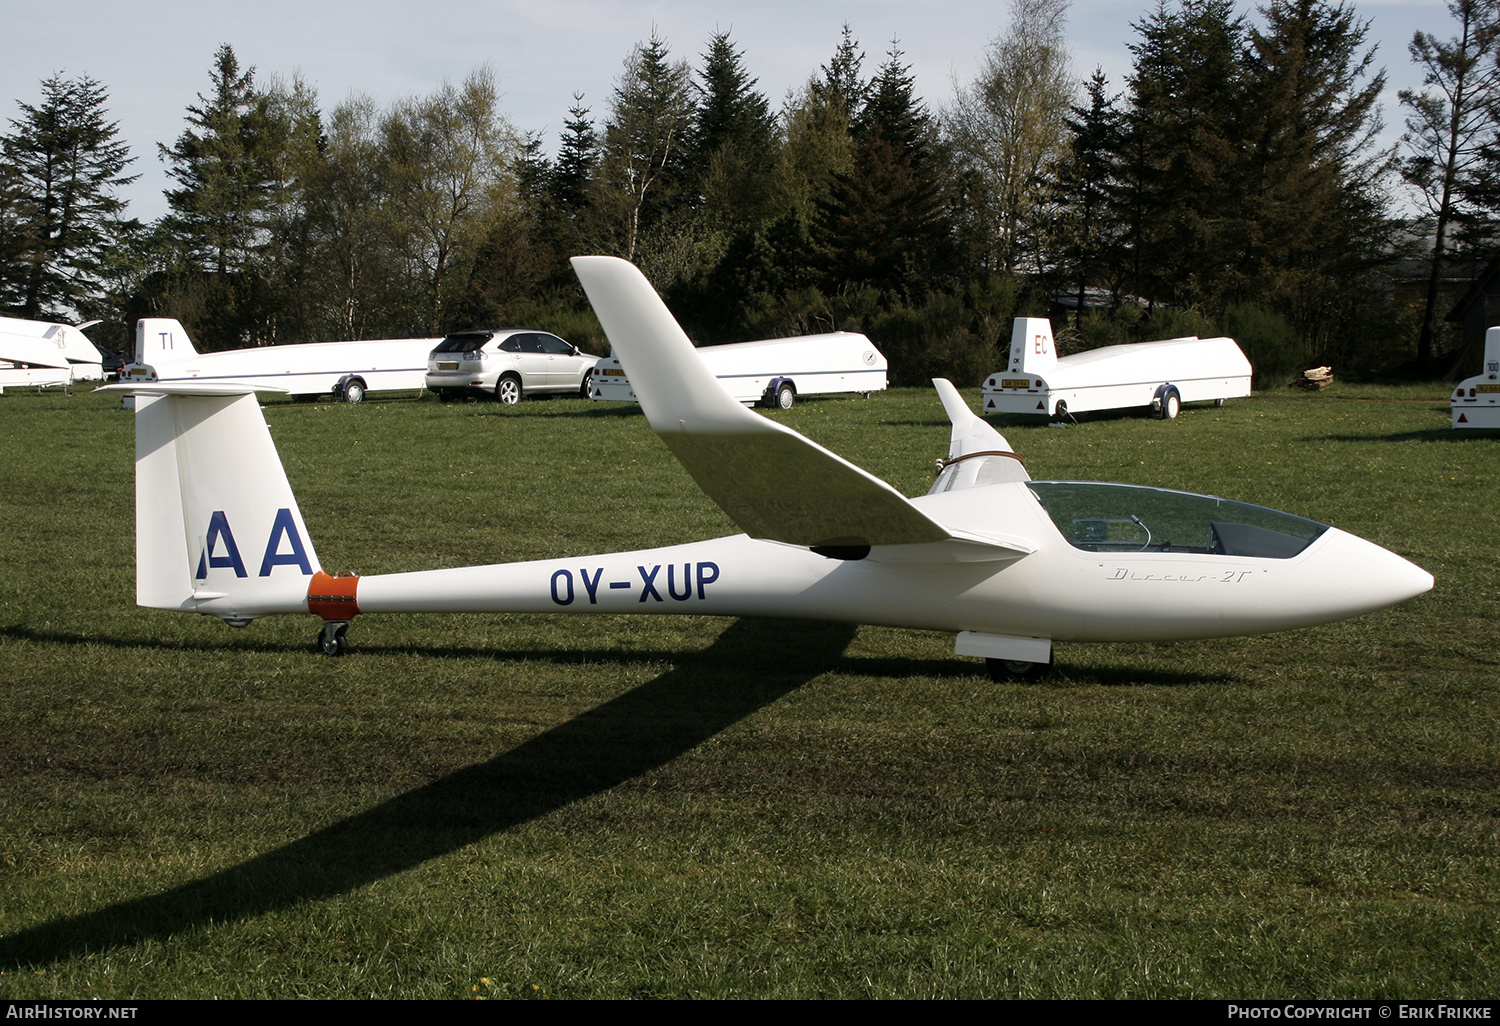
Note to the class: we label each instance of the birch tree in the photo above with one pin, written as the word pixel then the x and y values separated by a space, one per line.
pixel 1009 131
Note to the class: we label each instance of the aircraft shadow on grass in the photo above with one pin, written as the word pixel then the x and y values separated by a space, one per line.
pixel 883 667
pixel 1443 434
pixel 609 745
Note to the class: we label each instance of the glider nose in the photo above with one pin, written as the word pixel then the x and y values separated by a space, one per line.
pixel 1375 577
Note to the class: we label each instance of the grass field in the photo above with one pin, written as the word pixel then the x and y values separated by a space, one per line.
pixel 529 806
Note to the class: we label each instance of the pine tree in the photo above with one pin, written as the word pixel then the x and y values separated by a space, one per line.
pixel 1184 140
pixel 58 210
pixel 1088 189
pixel 818 145
pixel 220 166
pixel 883 222
pixel 733 144
pixel 15 212
pixel 642 167
pixel 1313 182
pixel 576 159
pixel 841 87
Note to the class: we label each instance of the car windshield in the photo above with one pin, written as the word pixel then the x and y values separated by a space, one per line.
pixel 464 342
pixel 1132 518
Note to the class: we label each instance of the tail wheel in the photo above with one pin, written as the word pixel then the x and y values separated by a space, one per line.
pixel 333 640
pixel 508 391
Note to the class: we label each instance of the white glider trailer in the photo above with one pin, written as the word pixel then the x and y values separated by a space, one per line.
pixel 1476 400
pixel 773 372
pixel 42 353
pixel 344 370
pixel 1161 375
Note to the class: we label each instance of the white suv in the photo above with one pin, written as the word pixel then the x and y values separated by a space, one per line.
pixel 509 363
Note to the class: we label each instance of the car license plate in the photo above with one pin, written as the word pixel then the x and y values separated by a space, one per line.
pixel 448 366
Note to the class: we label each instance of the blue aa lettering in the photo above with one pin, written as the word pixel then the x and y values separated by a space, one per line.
pixel 687 582
pixel 568 578
pixel 649 583
pixel 703 576
pixel 592 587
pixel 218 530
pixel 286 527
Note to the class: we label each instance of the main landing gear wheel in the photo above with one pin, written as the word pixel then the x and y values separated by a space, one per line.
pixel 508 391
pixel 332 640
pixel 1017 670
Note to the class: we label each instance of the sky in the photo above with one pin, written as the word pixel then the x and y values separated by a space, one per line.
pixel 153 58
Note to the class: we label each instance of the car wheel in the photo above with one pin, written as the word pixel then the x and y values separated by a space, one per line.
pixel 508 391
pixel 354 392
pixel 786 396
pixel 587 386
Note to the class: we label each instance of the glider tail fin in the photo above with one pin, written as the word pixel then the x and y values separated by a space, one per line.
pixel 1032 350
pixel 217 528
pixel 161 340
pixel 977 453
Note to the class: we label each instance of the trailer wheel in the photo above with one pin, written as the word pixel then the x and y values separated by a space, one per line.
pixel 1062 409
pixel 1171 405
pixel 354 391
pixel 786 396
pixel 1017 670
pixel 1218 404
pixel 508 391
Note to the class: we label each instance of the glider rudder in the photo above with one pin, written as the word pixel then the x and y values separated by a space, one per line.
pixel 218 530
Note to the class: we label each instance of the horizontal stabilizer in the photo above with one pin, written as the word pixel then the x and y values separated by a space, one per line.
pixel 192 387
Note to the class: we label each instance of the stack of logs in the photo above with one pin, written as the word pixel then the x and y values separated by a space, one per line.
pixel 1316 379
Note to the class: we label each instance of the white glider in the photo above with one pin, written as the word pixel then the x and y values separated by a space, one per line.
pixel 346 370
pixel 43 353
pixel 1008 564
pixel 773 371
pixel 1160 375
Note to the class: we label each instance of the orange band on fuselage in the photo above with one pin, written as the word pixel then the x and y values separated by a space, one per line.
pixel 332 598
